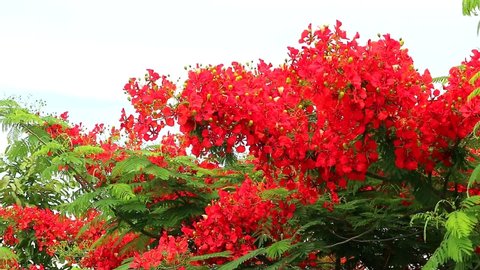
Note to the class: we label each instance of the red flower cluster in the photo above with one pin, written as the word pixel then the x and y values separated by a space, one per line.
pixel 311 125
pixel 110 253
pixel 230 222
pixel 75 134
pixel 53 232
pixel 325 110
pixel 150 103
pixel 171 252
pixel 451 116
pixel 49 229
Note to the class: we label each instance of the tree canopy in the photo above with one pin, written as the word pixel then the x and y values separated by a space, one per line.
pixel 344 157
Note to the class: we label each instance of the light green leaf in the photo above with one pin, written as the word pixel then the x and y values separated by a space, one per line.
pixel 474 177
pixel 459 224
pixel 276 250
pixel 236 263
pixel 474 78
pixel 121 191
pixel 471 201
pixel 278 193
pixel 87 150
pixel 473 94
pixel 459 248
pixel 7 254
pixel 223 254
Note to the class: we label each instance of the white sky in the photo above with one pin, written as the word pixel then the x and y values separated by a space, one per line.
pixel 77 54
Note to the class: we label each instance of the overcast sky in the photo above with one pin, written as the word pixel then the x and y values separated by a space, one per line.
pixel 77 55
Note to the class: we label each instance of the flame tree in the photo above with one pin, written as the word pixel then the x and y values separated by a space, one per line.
pixel 344 157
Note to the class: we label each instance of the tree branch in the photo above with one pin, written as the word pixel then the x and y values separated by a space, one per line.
pixel 132 225
pixel 78 177
pixel 351 238
pixel 372 175
pixel 376 240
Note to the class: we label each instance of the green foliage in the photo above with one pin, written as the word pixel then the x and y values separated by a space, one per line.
pixel 470 7
pixel 460 224
pixel 461 230
pixel 224 254
pixel 6 254
pixel 238 262
pixel 277 249
pixel 379 221
pixel 277 193
pixel 441 79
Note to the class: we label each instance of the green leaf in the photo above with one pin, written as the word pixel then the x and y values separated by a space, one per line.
pixel 474 177
pixel 4 181
pixel 277 193
pixel 223 254
pixel 48 147
pixel 470 7
pixel 121 191
pixel 459 248
pixel 438 258
pixel 87 150
pixel 125 264
pixel 7 254
pixel 470 201
pixel 474 78
pixel 459 224
pixel 131 164
pixel 441 79
pixel 473 94
pixel 236 263
pixel 159 172
pixel 276 250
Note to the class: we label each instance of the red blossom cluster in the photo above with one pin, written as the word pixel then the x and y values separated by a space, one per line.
pixel 52 233
pixel 150 103
pixel 110 253
pixel 49 229
pixel 171 252
pixel 325 110
pixel 311 125
pixel 230 222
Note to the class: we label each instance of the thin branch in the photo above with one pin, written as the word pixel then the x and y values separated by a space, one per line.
pixel 351 238
pixel 372 175
pixel 87 186
pixel 376 240
pixel 132 225
pixel 445 184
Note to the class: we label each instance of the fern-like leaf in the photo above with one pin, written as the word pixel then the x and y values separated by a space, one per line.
pixel 438 258
pixel 470 7
pixel 441 79
pixel 223 254
pixel 277 249
pixel 473 94
pixel 236 263
pixel 121 191
pixel 459 248
pixel 277 193
pixel 87 150
pixel 7 254
pixel 471 201
pixel 459 224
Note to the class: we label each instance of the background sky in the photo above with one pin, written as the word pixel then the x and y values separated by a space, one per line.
pixel 76 55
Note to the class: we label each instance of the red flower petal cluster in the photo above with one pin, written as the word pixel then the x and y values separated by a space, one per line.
pixel 230 222
pixel 50 229
pixel 110 253
pixel 150 102
pixel 319 112
pixel 171 252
